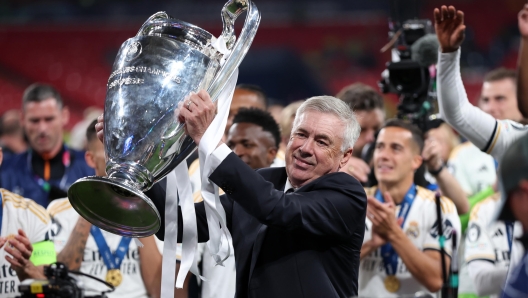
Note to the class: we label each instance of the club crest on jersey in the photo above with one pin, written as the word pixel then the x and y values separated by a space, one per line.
pixel 412 230
pixel 447 228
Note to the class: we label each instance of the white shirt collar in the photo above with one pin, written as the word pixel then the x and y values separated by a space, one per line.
pixel 288 185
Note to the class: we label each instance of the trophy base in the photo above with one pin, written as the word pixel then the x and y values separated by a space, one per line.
pixel 114 207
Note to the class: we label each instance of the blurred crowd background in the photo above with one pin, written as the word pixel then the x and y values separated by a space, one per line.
pixel 303 48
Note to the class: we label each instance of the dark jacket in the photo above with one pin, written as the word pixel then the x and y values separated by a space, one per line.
pixel 17 176
pixel 302 244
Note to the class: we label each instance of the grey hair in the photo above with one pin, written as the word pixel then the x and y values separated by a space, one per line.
pixel 335 106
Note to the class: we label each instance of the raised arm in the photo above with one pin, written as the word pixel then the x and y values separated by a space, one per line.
pixel 490 135
pixel 455 107
pixel 522 67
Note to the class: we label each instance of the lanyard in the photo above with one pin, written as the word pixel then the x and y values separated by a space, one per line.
pixel 509 233
pixel 1 211
pixel 66 161
pixel 111 260
pixel 388 254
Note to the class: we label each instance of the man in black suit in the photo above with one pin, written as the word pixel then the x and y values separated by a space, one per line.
pixel 297 231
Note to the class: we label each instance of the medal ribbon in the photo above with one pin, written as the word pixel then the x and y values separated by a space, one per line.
pixel 388 254
pixel 111 260
pixel 509 233
pixel 1 210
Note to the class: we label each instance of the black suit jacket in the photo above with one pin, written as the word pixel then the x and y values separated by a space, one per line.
pixel 302 244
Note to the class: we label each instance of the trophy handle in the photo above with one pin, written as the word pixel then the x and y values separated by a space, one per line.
pixel 232 9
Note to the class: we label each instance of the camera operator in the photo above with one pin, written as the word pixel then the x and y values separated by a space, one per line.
pixel 491 135
pixel 81 246
pixel 367 103
pixel 400 253
pixel 24 228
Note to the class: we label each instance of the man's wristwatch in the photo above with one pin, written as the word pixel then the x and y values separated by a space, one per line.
pixel 437 171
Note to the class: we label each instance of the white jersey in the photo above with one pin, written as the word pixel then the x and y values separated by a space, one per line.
pixel 487 239
pixel 490 135
pixel 421 228
pixel 19 213
pixel 473 169
pixel 64 220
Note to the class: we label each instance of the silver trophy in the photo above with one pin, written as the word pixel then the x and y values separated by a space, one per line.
pixel 152 73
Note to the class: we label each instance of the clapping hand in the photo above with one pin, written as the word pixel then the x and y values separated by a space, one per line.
pixel 357 168
pixel 449 26
pixel 382 216
pixel 432 154
pixel 20 249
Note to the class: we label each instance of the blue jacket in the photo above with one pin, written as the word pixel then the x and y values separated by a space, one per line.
pixel 17 176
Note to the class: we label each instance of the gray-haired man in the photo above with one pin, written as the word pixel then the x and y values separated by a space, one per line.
pixel 297 231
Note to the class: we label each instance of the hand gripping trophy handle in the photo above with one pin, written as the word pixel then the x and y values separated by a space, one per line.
pixel 153 72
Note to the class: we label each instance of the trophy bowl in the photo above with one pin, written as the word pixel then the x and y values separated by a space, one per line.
pixel 153 72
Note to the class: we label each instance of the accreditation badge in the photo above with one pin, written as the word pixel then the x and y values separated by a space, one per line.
pixel 114 277
pixel 392 284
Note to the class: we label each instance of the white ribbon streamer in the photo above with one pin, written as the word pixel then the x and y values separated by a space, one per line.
pixel 216 218
pixel 168 271
pixel 179 189
pixel 190 231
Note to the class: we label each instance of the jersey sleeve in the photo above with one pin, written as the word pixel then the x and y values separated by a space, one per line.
pixel 478 241
pixel 450 223
pixel 505 133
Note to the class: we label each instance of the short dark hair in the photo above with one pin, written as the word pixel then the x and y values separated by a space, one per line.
pixel 91 134
pixel 417 134
pixel 261 118
pixel 361 97
pixel 255 89
pixel 500 74
pixel 39 92
pixel 10 126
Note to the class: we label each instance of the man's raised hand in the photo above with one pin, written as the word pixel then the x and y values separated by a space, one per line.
pixel 449 26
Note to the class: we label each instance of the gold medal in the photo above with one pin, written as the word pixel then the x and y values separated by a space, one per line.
pixel 392 284
pixel 114 277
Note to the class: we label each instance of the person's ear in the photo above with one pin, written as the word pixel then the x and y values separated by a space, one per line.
pixel 272 153
pixel 417 162
pixel 346 156
pixel 90 159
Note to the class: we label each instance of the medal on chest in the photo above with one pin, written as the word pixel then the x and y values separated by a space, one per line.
pixel 392 283
pixel 114 277
pixel 388 254
pixel 111 260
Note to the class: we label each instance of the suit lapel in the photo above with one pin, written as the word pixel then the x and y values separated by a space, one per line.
pixel 278 178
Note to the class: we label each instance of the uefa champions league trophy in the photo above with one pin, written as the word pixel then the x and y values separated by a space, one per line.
pixel 153 72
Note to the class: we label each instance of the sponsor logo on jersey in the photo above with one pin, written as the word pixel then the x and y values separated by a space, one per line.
pixel 447 229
